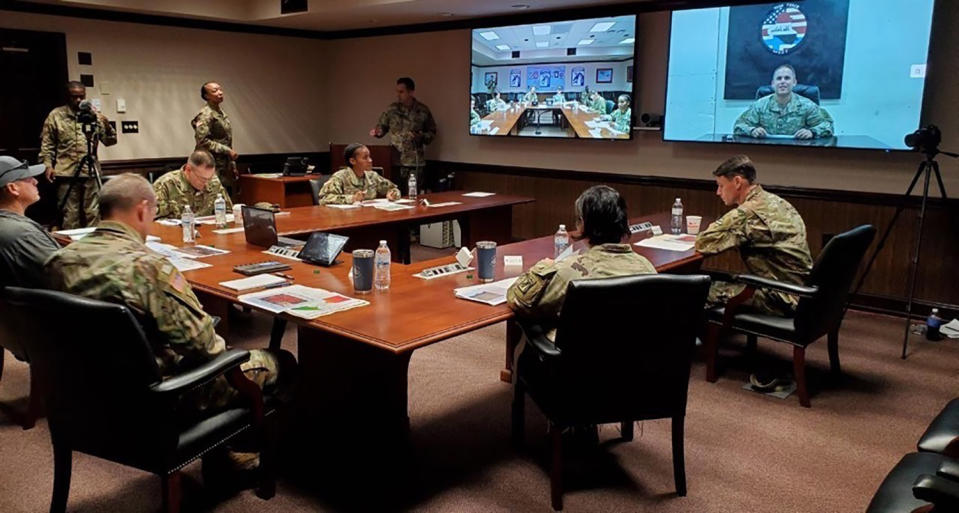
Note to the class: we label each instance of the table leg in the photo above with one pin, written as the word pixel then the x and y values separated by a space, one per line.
pixel 513 335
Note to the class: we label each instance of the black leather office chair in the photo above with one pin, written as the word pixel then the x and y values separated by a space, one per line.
pixel 623 351
pixel 822 302
pixel 942 435
pixel 809 91
pixel 105 397
pixel 919 483
pixel 315 185
pixel 11 339
pixel 610 106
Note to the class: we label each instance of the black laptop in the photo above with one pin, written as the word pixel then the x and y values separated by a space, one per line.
pixel 323 248
pixel 259 226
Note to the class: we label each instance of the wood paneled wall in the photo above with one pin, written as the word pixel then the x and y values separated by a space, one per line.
pixel 825 213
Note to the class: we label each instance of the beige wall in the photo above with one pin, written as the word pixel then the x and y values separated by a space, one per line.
pixel 289 94
pixel 274 86
pixel 439 62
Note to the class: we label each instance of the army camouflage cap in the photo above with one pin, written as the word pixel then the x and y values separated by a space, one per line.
pixel 12 170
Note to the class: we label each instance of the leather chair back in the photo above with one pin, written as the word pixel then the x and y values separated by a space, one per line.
pixel 833 274
pixel 99 366
pixel 809 91
pixel 315 185
pixel 610 106
pixel 627 344
pixel 11 334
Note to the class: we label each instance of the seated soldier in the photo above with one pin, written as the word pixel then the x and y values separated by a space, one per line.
pixel 770 236
pixel 602 220
pixel 496 103
pixel 357 182
pixel 474 116
pixel 194 184
pixel 622 115
pixel 113 264
pixel 597 103
pixel 559 98
pixel 531 96
pixel 24 244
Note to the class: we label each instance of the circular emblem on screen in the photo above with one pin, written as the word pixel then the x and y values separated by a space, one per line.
pixel 784 28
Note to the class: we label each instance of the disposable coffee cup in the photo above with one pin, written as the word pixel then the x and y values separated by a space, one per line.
pixel 485 260
pixel 362 271
pixel 692 224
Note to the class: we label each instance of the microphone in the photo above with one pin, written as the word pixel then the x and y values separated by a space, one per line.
pixel 86 105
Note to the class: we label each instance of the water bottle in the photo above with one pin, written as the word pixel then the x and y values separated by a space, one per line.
pixel 219 211
pixel 933 322
pixel 188 222
pixel 676 219
pixel 381 263
pixel 412 185
pixel 560 241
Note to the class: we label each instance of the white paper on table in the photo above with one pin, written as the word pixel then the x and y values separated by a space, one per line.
pixel 494 131
pixel 445 204
pixel 199 251
pixel 374 202
pixel 950 329
pixel 485 123
pixel 212 219
pixel 391 207
pixel 268 175
pixel 166 250
pixel 478 194
pixel 596 132
pixel 76 233
pixel 187 264
pixel 223 231
pixel 345 207
pixel 597 124
pixel 490 293
pixel 169 222
pixel 513 260
pixel 405 200
pixel 669 242
pixel 252 282
pixel 279 299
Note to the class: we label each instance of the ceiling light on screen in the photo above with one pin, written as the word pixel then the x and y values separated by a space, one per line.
pixel 542 44
pixel 586 41
pixel 602 26
pixel 628 41
pixel 502 47
pixel 489 35
pixel 541 30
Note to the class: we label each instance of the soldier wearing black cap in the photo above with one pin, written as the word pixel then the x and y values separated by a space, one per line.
pixel 24 244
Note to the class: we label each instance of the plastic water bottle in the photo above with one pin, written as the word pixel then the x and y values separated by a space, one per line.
pixel 219 211
pixel 933 322
pixel 381 263
pixel 412 185
pixel 188 222
pixel 560 241
pixel 676 219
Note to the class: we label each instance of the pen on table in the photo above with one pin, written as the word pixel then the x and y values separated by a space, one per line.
pixel 266 287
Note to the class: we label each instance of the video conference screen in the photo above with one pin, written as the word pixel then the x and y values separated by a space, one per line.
pixel 841 73
pixel 569 79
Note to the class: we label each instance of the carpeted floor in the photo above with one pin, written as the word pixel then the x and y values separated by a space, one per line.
pixel 745 452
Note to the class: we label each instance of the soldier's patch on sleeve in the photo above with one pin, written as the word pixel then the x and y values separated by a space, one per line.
pixel 528 288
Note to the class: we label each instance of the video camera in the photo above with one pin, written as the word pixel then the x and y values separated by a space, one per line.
pixel 925 139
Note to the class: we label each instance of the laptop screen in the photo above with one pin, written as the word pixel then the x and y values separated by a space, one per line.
pixel 323 248
pixel 259 226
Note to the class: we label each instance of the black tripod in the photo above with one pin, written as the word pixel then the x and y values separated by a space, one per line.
pixel 88 162
pixel 926 168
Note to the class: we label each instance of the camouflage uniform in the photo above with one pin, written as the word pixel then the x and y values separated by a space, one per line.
pixel 62 146
pixel 539 293
pixel 558 98
pixel 530 97
pixel 173 191
pixel 800 112
pixel 213 133
pixel 113 264
pixel 622 120
pixel 598 105
pixel 495 104
pixel 474 117
pixel 771 238
pixel 339 189
pixel 401 123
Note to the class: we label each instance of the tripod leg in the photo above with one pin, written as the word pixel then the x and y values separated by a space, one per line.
pixel 942 188
pixel 914 264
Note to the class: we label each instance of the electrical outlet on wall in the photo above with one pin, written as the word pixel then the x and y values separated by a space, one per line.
pixel 121 105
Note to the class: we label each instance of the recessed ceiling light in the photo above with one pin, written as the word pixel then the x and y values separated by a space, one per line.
pixel 502 47
pixel 628 40
pixel 585 42
pixel 542 44
pixel 602 26
pixel 541 30
pixel 489 35
pixel 520 6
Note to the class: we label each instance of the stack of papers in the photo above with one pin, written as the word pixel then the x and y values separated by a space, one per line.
pixel 300 301
pixel 212 219
pixel 681 242
pixel 184 259
pixel 478 194
pixel 485 123
pixel 79 233
pixel 494 131
pixel 253 282
pixel 490 293
pixel 950 329
pixel 389 207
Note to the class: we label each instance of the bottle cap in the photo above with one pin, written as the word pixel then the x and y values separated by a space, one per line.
pixel 935 311
pixel 382 243
pixel 562 227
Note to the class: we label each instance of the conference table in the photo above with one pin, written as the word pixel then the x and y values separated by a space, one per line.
pixel 354 364
pixel 510 121
pixel 480 218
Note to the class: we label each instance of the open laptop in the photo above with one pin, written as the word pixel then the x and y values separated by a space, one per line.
pixel 259 226
pixel 323 248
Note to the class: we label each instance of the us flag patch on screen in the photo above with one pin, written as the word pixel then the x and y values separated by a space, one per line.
pixel 784 28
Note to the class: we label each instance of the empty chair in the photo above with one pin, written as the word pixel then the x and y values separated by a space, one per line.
pixel 622 353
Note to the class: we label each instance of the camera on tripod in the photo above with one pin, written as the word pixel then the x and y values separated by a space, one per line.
pixel 926 139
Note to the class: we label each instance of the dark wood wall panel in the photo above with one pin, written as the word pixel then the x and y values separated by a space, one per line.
pixel 825 216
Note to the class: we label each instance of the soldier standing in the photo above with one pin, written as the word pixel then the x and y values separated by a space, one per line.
pixel 63 146
pixel 784 112
pixel 194 184
pixel 213 133
pixel 410 126
pixel 767 230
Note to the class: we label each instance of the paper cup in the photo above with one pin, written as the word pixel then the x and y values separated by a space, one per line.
pixel 692 224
